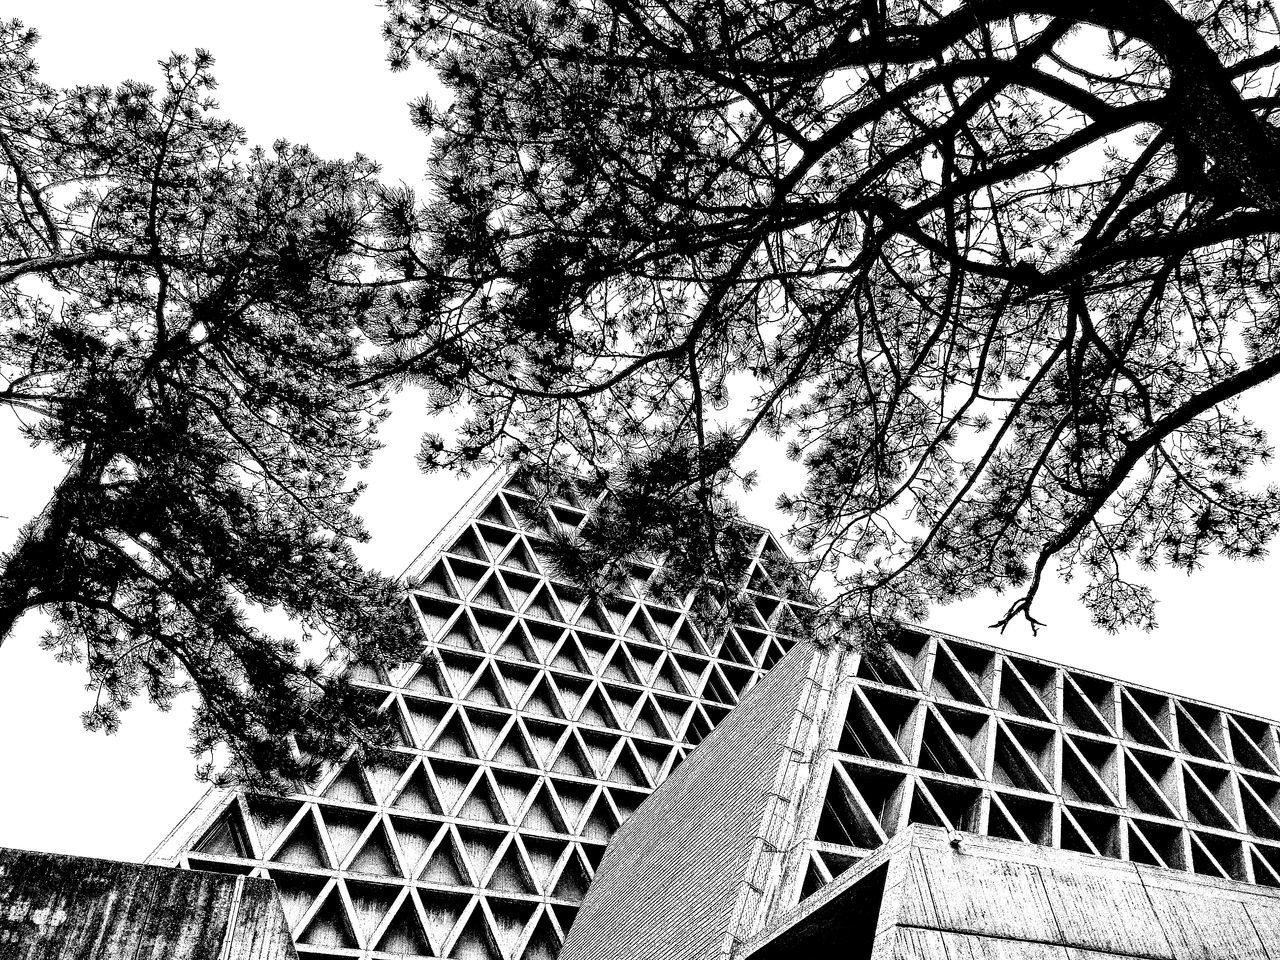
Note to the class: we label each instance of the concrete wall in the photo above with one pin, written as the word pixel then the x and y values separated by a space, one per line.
pixel 1003 900
pixel 671 885
pixel 76 908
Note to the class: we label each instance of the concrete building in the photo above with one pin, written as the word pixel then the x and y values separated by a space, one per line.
pixel 835 754
pixel 534 725
pixel 56 907
pixel 921 897
pixel 540 726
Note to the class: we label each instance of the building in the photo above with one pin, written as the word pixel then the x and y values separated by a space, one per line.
pixel 535 724
pixel 538 722
pixel 834 754
pixel 56 907
pixel 921 897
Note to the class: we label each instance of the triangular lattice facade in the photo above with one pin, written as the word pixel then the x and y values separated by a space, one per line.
pixel 536 722
pixel 836 752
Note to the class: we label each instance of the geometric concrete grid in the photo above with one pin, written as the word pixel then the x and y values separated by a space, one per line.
pixel 961 735
pixel 535 723
pixel 834 753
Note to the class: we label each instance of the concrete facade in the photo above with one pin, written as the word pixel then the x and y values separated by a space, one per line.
pixel 921 898
pixel 546 798
pixel 536 722
pixel 939 732
pixel 56 907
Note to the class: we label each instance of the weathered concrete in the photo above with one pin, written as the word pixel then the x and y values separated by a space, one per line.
pixel 77 908
pixel 919 898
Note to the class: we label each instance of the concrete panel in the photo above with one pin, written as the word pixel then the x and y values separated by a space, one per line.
pixel 74 908
pixel 1003 900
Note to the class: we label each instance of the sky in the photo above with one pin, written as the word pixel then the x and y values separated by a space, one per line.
pixel 314 72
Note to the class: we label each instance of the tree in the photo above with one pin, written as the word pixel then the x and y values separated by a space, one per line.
pixel 180 324
pixel 996 272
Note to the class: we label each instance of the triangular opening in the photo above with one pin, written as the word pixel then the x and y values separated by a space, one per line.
pixel 520 558
pixel 415 837
pixel 405 934
pixel 844 819
pixel 480 847
pixel 424 716
pixel 573 798
pixel 490 626
pixel 467 574
pixel 543 856
pixel 495 512
pixel 863 734
pixel 1203 806
pixel 486 728
pixel 510 875
pixel 1103 829
pixel 543 604
pixel 452 739
pixel 227 837
pixel 601 823
pixel 370 901
pixel 519 587
pixel 475 942
pixel 495 538
pixel 1034 817
pixel 1012 767
pixel 304 848
pixel 270 816
pixel 1143 786
pixel 541 701
pixel 571 759
pixel 417 795
pixel 491 594
pixel 445 867
pixel 297 893
pixel 542 814
pixel 514 750
pixel 442 911
pixel 481 804
pixel 1018 696
pixel 452 779
pixel 457 669
pixel 952 681
pixel 517 646
pixel 544 737
pixel 596 711
pixel 948 749
pixel 1142 724
pixel 437 581
pixel 510 917
pixel 627 769
pixel 573 881
pixel 468 545
pixel 544 637
pixel 345 828
pixel 570 656
pixel 1081 779
pixel 435 613
pixel 426 680
pixel 1080 711
pixel 513 789
pixel 330 926
pixel 376 855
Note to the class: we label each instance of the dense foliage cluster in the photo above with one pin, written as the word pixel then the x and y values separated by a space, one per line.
pixel 179 321
pixel 994 272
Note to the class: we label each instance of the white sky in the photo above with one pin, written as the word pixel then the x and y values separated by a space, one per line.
pixel 314 72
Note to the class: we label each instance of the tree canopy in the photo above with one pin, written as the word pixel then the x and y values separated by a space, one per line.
pixel 179 321
pixel 995 272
